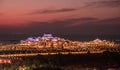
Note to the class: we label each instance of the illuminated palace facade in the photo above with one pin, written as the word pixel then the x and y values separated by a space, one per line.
pixel 47 41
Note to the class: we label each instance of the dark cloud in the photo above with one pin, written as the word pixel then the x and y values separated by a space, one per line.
pixel 106 26
pixel 36 27
pixel 56 26
pixel 104 3
pixel 49 11
pixel 85 26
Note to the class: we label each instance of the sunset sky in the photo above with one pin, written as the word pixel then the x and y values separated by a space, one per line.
pixel 59 16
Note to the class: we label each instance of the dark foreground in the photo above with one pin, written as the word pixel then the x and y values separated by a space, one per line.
pixel 104 61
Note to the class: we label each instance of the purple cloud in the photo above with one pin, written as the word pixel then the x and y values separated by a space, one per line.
pixel 104 3
pixel 49 11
